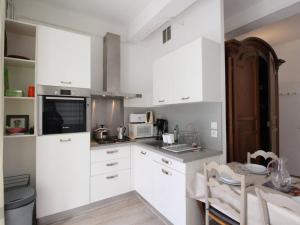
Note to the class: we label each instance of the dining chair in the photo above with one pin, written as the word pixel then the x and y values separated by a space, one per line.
pixel 221 210
pixel 264 154
pixel 275 199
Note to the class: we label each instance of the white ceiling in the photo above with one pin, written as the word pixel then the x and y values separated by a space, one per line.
pixel 276 33
pixel 119 11
pixel 235 6
pixel 123 11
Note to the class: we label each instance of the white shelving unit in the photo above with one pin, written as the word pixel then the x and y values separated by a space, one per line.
pixel 21 41
pixel 19 136
pixel 19 98
pixel 9 61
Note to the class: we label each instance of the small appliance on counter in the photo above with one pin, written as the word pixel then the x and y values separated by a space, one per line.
pixel 137 118
pixel 140 125
pixel 140 130
pixel 162 128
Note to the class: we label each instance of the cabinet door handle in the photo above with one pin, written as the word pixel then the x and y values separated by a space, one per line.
pixel 165 161
pixel 161 101
pixel 143 153
pixel 185 98
pixel 112 177
pixel 65 140
pixel 112 152
pixel 66 82
pixel 112 164
pixel 166 172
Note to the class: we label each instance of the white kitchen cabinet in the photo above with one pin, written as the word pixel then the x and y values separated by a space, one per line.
pixel 162 181
pixel 62 172
pixel 110 172
pixel 191 73
pixel 169 195
pixel 162 81
pixel 110 153
pixel 63 58
pixel 109 185
pixel 143 173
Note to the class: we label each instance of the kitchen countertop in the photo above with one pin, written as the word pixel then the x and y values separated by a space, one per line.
pixel 155 146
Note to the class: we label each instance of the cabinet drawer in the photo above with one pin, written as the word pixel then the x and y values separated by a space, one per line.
pixel 171 163
pixel 109 185
pixel 110 166
pixel 110 153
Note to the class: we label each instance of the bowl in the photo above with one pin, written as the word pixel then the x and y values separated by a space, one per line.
pixel 15 130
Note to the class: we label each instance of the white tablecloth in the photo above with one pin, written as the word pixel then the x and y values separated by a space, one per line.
pixel 278 215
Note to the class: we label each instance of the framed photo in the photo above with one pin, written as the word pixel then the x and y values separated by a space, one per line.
pixel 18 121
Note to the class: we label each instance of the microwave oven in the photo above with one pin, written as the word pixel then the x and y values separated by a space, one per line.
pixel 140 130
pixel 137 118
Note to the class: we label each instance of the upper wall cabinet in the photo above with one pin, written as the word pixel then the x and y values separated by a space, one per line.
pixel 64 58
pixel 191 73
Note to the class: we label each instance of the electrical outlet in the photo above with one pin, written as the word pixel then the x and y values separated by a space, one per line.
pixel 213 125
pixel 214 133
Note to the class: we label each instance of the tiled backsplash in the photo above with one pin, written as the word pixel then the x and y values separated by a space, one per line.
pixel 194 116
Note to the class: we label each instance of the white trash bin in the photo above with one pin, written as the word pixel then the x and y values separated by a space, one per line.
pixel 19 204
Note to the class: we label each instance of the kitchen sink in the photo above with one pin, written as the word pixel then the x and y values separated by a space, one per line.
pixel 180 148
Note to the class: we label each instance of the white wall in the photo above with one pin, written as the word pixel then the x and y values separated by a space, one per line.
pixel 289 106
pixel 204 18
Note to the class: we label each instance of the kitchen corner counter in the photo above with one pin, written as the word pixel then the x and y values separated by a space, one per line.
pixel 155 146
pixel 97 146
pixel 184 157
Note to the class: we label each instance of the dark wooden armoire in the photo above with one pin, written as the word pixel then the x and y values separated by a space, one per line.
pixel 252 98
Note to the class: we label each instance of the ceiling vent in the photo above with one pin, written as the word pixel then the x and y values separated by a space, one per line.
pixel 166 34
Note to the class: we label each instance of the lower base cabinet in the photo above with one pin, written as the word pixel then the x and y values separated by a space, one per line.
pixel 110 184
pixel 110 172
pixel 169 195
pixel 62 172
pixel 143 173
pixel 162 182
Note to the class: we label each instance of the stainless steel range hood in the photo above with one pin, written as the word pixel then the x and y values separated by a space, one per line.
pixel 112 69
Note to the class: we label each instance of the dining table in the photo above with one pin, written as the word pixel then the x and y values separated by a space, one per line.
pixel 278 215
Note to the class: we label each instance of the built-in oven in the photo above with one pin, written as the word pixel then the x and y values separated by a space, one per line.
pixel 63 110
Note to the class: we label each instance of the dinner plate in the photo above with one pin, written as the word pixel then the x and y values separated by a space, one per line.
pixel 224 178
pixel 255 168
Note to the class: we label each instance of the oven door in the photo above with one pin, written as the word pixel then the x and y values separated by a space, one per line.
pixel 59 114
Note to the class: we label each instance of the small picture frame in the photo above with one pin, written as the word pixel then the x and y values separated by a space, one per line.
pixel 18 121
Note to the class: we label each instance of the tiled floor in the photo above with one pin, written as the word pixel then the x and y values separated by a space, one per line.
pixel 127 211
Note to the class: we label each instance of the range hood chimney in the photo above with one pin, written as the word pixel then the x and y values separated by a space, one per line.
pixel 112 69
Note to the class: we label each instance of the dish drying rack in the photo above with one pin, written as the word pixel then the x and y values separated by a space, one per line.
pixel 11 182
pixel 187 141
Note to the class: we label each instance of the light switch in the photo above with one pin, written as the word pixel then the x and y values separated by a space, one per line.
pixel 214 133
pixel 213 125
